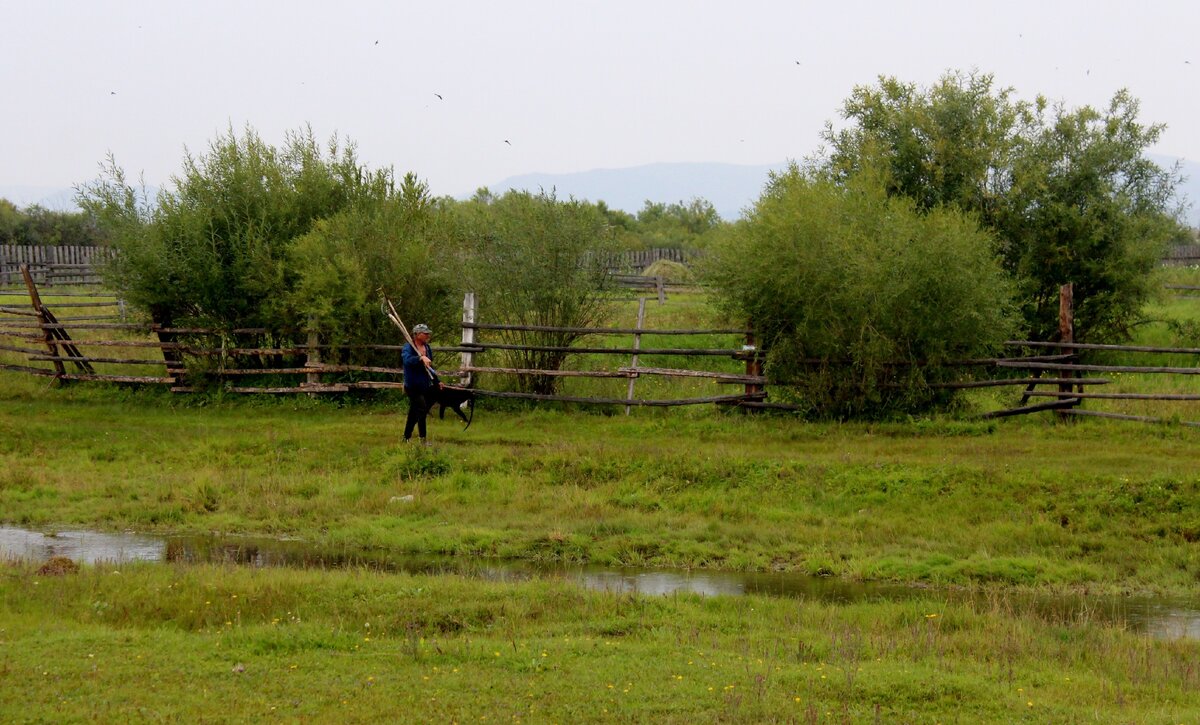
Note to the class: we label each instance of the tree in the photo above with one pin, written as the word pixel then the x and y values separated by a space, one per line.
pixel 536 260
pixel 676 225
pixel 213 251
pixel 1069 194
pixel 36 225
pixel 400 247
pixel 858 295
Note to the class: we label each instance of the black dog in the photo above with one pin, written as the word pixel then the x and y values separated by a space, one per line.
pixel 455 399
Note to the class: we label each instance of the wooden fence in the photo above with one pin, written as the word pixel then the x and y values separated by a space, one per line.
pixel 1183 255
pixel 83 336
pixel 62 265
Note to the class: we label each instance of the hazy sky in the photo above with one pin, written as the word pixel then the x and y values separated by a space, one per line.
pixel 571 86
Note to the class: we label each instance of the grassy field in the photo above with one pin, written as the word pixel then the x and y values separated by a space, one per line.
pixel 1016 505
pixel 161 643
pixel 1104 506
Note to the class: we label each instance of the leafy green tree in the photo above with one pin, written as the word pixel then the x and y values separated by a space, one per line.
pixel 859 297
pixel 402 248
pixel 535 260
pixel 37 226
pixel 214 249
pixel 1069 193
pixel 676 225
pixel 10 222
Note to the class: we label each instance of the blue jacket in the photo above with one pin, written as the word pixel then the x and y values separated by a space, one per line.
pixel 415 375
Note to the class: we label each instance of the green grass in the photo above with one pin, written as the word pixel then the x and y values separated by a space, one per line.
pixel 1030 504
pixel 1024 503
pixel 156 642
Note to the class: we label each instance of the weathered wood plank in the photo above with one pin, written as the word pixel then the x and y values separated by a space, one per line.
pixel 617 401
pixel 1025 410
pixel 1100 368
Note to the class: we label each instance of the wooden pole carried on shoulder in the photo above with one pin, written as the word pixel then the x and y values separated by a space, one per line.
pixel 395 318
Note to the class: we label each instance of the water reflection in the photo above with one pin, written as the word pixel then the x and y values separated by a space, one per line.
pixel 1155 616
pixel 82 546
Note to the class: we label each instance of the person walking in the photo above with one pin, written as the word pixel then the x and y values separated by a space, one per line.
pixel 421 383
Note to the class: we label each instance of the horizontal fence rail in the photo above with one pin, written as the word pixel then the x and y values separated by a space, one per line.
pixel 36 338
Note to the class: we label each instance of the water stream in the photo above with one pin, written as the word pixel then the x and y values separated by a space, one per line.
pixel 1160 617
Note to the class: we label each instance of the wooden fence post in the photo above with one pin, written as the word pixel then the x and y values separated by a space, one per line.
pixel 1066 332
pixel 313 355
pixel 36 300
pixel 467 359
pixel 637 345
pixel 753 364
pixel 662 292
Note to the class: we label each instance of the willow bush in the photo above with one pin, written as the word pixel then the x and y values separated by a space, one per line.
pixel 402 248
pixel 859 297
pixel 290 239
pixel 212 249
pixel 536 260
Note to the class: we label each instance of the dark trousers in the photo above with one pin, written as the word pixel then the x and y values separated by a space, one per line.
pixel 420 400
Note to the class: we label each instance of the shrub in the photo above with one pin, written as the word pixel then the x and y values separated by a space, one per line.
pixel 401 247
pixel 537 261
pixel 858 296
pixel 213 250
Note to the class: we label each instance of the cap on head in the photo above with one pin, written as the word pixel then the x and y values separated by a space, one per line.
pixel 418 329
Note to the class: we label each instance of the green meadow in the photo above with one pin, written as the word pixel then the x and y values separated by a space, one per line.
pixel 949 504
pixel 1000 507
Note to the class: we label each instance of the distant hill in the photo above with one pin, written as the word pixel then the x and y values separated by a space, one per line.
pixel 730 188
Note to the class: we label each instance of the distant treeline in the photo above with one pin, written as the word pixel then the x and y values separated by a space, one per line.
pixel 37 226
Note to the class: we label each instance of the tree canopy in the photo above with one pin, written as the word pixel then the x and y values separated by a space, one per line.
pixel 1069 193
pixel 291 239
pixel 35 225
pixel 859 295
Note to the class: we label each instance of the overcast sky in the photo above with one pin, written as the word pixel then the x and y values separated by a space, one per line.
pixel 542 86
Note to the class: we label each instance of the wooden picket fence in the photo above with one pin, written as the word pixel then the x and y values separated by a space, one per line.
pixel 52 265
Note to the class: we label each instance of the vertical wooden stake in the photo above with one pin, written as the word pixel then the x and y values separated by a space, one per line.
pixel 1066 332
pixel 637 345
pixel 36 300
pixel 662 291
pixel 313 359
pixel 468 339
pixel 753 363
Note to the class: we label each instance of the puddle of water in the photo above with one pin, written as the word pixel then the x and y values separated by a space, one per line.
pixel 1159 617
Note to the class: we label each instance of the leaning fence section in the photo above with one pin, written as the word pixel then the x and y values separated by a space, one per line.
pixel 1164 389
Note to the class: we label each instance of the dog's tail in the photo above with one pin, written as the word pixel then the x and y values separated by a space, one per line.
pixel 471 417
